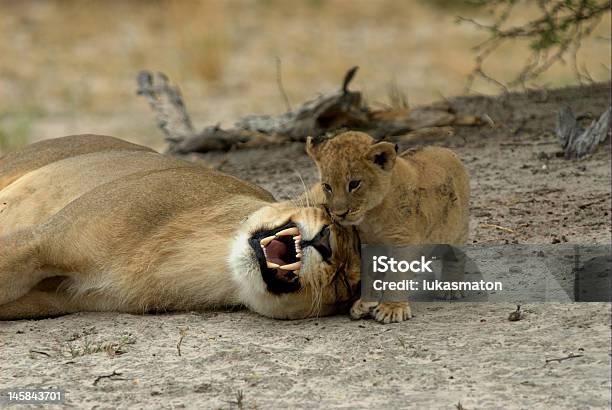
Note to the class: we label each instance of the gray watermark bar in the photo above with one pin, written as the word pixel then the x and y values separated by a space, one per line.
pixel 487 273
pixel 31 396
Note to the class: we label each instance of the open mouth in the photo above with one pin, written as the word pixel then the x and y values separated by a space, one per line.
pixel 283 251
pixel 279 253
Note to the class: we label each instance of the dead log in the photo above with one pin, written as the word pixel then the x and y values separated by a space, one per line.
pixel 577 141
pixel 343 109
pixel 167 104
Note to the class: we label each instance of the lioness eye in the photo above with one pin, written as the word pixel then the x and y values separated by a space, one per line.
pixel 327 188
pixel 353 185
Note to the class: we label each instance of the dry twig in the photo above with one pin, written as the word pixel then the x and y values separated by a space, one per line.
pixel 108 376
pixel 516 315
pixel 501 228
pixel 279 82
pixel 182 333
pixel 570 356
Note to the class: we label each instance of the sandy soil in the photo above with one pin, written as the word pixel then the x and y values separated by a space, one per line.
pixel 451 355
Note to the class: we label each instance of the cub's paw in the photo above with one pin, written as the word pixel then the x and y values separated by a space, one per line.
pixel 392 312
pixel 362 309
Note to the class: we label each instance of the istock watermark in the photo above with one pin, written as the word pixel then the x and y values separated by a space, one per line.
pixel 500 273
pixel 386 264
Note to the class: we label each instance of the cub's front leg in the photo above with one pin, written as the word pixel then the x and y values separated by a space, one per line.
pixel 384 312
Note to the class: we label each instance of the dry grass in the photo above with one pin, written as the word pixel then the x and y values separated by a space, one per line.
pixel 86 346
pixel 73 63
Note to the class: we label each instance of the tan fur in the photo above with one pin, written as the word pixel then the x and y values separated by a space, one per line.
pixel 420 196
pixel 95 223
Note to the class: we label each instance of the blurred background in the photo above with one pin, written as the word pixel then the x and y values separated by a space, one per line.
pixel 69 67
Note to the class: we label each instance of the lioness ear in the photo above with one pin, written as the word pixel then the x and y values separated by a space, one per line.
pixel 383 154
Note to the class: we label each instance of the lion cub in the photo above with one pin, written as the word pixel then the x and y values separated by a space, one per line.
pixel 420 196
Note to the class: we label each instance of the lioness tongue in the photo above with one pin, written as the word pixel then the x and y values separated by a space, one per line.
pixel 275 251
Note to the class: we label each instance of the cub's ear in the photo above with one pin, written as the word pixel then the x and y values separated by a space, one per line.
pixel 310 148
pixel 313 145
pixel 383 154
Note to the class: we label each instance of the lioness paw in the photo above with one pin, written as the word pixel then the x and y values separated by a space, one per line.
pixel 392 312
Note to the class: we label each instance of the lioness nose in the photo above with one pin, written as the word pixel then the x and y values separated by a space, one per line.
pixel 341 214
pixel 320 242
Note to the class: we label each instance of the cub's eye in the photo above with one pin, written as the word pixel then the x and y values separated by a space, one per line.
pixel 327 188
pixel 353 185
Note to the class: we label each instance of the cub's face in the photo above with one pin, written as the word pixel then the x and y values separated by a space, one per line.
pixel 291 262
pixel 355 173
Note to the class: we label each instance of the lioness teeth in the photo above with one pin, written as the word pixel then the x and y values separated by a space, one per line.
pixel 292 266
pixel 298 247
pixel 288 232
pixel 267 240
pixel 276 250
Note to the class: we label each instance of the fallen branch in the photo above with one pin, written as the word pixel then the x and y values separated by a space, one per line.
pixel 577 141
pixel 343 109
pixel 167 103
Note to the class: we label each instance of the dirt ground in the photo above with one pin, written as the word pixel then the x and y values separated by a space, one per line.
pixel 451 355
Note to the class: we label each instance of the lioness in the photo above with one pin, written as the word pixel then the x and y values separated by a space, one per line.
pixel 418 197
pixel 94 223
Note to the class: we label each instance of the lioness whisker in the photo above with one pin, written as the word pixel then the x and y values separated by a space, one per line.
pixel 306 193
